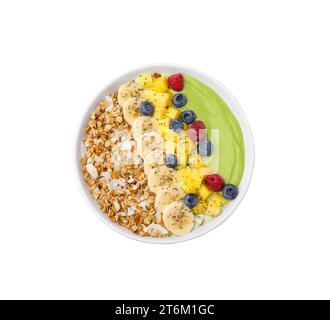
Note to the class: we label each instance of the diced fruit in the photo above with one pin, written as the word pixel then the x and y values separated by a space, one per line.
pixel 205 171
pixel 176 82
pixel 173 113
pixel 145 80
pixel 188 116
pixel 200 208
pixel 190 200
pixel 146 108
pixel 195 160
pixel 158 99
pixel 160 113
pixel 214 182
pixel 163 125
pixel 205 148
pixel 176 125
pixel 171 161
pixel 215 203
pixel 179 100
pixel 197 131
pixel 191 179
pixel 229 191
pixel 204 192
pixel 161 84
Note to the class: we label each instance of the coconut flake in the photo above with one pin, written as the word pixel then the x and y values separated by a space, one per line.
pixel 116 184
pixel 156 227
pixel 105 176
pixel 143 204
pixel 116 205
pixel 131 210
pixel 99 159
pixel 83 150
pixel 127 145
pixel 130 180
pixel 92 170
pixel 108 98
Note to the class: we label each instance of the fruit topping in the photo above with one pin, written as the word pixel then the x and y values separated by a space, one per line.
pixel 146 108
pixel 179 100
pixel 176 125
pixel 145 80
pixel 215 203
pixel 173 113
pixel 188 116
pixel 214 182
pixel 158 99
pixel 161 84
pixel 197 131
pixel 191 179
pixel 229 191
pixel 205 148
pixel 176 82
pixel 190 200
pixel 204 192
pixel 171 161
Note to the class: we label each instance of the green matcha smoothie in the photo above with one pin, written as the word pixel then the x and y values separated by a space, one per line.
pixel 228 156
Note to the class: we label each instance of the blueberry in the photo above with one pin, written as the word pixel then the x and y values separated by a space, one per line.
pixel 146 108
pixel 171 161
pixel 179 100
pixel 205 148
pixel 188 116
pixel 176 125
pixel 229 191
pixel 190 200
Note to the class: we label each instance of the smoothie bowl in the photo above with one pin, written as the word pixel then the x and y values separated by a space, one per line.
pixel 164 154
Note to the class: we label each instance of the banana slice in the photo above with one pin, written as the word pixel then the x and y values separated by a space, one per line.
pixel 162 177
pixel 128 90
pixel 167 195
pixel 178 218
pixel 149 142
pixel 142 125
pixel 131 109
pixel 153 160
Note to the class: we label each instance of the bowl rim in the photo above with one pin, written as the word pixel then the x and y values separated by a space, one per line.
pixel 234 107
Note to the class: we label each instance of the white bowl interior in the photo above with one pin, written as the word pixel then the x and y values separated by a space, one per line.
pixel 235 108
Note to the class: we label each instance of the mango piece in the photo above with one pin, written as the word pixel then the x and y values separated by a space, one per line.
pixel 204 192
pixel 159 100
pixel 160 113
pixel 195 160
pixel 215 203
pixel 200 208
pixel 145 80
pixel 191 179
pixel 163 125
pixel 173 113
pixel 205 171
pixel 161 84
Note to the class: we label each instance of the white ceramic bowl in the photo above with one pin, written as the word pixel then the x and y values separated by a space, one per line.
pixel 235 108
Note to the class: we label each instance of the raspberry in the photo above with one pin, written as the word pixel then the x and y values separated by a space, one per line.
pixel 214 182
pixel 176 82
pixel 197 131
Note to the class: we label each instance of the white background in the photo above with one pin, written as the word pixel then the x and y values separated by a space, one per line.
pixel 55 57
